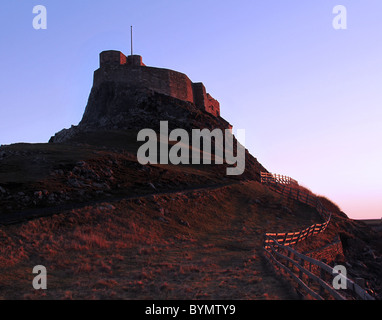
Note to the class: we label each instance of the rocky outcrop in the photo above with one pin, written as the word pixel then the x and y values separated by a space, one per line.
pixel 113 106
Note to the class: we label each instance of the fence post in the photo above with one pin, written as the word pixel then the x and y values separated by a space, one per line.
pixel 284 240
pixel 287 262
pixel 298 238
pixel 300 275
pixel 322 276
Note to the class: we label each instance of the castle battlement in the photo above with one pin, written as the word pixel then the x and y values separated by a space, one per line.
pixel 130 70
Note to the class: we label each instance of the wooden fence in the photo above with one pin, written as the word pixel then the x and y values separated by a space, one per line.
pixel 267 177
pixel 299 268
pixel 291 238
pixel 293 191
pixel 309 273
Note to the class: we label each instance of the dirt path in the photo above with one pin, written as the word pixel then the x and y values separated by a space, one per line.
pixel 30 214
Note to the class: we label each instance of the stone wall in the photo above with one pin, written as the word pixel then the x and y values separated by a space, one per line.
pixel 199 92
pixel 212 106
pixel 174 84
pixel 116 67
pixel 204 99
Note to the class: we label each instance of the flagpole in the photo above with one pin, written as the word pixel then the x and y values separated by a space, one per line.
pixel 131 31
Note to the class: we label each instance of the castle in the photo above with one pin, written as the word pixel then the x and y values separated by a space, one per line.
pixel 130 70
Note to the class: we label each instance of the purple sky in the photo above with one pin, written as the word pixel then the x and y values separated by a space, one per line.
pixel 308 96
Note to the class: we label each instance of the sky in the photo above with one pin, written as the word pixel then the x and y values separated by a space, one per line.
pixel 308 95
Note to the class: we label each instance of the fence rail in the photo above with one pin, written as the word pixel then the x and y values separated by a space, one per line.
pixel 299 268
pixel 267 177
pixel 291 238
pixel 293 191
pixel 277 245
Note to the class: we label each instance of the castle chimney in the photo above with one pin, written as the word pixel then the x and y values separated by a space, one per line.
pixel 134 60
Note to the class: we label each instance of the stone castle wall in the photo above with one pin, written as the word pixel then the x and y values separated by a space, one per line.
pixel 213 106
pixel 115 66
pixel 163 81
